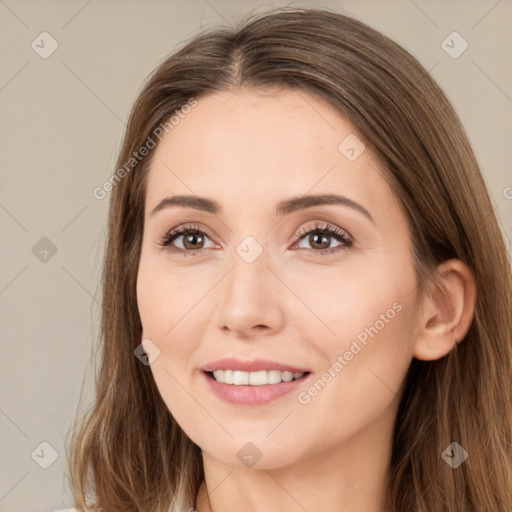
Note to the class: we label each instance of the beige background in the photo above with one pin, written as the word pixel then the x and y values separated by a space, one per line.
pixel 62 122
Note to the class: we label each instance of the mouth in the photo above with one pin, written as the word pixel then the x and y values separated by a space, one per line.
pixel 256 378
pixel 253 382
pixel 240 392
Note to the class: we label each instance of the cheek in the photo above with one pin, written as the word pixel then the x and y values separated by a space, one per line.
pixel 363 371
pixel 164 297
pixel 371 314
pixel 379 351
pixel 160 313
pixel 364 300
pixel 169 305
pixel 163 305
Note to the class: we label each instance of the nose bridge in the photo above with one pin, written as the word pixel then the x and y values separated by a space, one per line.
pixel 249 274
pixel 246 298
pixel 249 263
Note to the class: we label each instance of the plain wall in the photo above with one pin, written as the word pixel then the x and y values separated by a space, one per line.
pixel 62 122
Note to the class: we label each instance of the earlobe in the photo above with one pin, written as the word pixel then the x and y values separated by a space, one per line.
pixel 447 311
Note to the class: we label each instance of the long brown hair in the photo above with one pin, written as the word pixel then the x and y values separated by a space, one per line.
pixel 129 454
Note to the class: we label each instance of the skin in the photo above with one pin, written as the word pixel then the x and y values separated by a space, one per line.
pixel 248 150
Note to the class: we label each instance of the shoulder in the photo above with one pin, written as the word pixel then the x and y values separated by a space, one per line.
pixel 66 510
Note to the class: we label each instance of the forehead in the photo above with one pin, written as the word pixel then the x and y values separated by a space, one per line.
pixel 247 146
pixel 290 124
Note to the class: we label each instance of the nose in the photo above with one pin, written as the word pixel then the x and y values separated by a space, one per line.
pixel 250 299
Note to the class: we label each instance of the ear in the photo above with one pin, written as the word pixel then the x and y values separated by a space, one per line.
pixel 447 311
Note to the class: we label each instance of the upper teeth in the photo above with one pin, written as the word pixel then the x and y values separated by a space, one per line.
pixel 259 378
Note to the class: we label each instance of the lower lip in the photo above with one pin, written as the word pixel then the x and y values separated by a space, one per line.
pixel 252 395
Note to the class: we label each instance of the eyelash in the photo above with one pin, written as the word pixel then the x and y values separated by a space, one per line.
pixel 336 233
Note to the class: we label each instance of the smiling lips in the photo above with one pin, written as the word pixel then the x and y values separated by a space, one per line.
pixel 252 382
pixel 259 378
pixel 253 373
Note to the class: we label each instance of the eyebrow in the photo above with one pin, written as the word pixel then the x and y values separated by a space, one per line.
pixel 283 208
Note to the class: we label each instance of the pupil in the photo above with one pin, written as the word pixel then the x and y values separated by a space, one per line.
pixel 190 237
pixel 319 236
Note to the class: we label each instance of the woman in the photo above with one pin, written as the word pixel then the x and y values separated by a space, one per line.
pixel 306 295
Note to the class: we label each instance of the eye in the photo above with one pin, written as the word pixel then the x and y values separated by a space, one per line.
pixel 319 237
pixel 192 243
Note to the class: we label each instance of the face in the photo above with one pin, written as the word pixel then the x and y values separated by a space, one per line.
pixel 327 289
